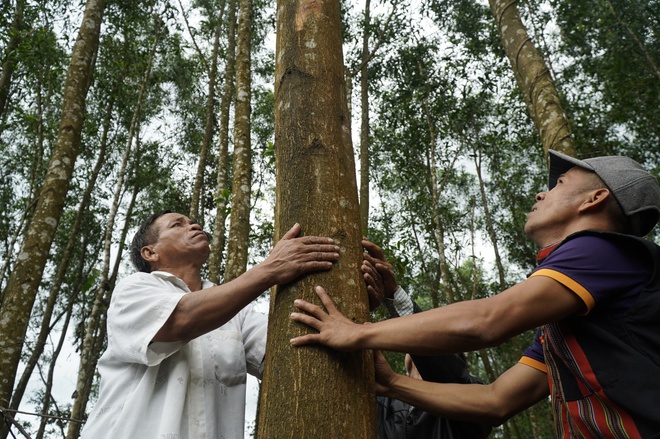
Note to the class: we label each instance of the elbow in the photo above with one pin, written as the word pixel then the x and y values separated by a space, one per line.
pixel 176 328
pixel 494 411
pixel 499 416
pixel 488 331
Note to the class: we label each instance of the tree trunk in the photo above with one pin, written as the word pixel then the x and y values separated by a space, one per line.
pixel 24 281
pixel 15 36
pixel 490 227
pixel 239 228
pixel 641 46
pixel 364 124
pixel 435 189
pixel 63 266
pixel 533 78
pixel 320 392
pixel 210 125
pixel 222 184
pixel 46 402
pixel 90 350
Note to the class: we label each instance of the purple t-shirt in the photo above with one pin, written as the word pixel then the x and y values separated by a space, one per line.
pixel 607 277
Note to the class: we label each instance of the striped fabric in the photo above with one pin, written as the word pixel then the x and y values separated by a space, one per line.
pixel 593 415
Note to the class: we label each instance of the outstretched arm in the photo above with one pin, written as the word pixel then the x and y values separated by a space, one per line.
pixel 459 327
pixel 516 389
pixel 201 311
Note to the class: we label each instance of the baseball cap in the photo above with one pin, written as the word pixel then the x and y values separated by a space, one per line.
pixel 636 190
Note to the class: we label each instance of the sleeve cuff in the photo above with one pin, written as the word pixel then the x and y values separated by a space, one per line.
pixel 528 361
pixel 401 303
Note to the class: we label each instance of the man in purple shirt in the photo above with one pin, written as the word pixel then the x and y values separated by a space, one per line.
pixel 595 298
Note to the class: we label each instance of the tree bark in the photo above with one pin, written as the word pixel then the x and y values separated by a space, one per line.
pixel 9 63
pixel 239 228
pixel 364 124
pixel 24 281
pixel 329 394
pixel 90 352
pixel 222 184
pixel 533 78
pixel 63 267
pixel 210 125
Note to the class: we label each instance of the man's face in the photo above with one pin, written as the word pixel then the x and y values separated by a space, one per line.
pixel 556 210
pixel 179 239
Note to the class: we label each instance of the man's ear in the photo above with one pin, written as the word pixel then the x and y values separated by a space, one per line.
pixel 597 199
pixel 149 254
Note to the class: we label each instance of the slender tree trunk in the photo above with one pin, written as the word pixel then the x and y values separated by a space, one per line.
pixel 364 124
pixel 490 228
pixel 90 350
pixel 222 184
pixel 25 278
pixel 641 46
pixel 46 403
pixel 533 78
pixel 9 64
pixel 324 393
pixel 63 266
pixel 436 188
pixel 239 227
pixel 210 125
pixel 367 55
pixel 7 258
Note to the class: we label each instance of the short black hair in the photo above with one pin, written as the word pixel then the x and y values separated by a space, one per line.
pixel 147 234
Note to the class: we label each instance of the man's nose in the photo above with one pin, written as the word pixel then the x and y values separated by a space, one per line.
pixel 540 196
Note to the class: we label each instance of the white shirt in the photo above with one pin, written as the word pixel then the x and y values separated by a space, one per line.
pixel 172 390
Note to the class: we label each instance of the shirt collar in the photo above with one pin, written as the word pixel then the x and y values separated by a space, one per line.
pixel 545 252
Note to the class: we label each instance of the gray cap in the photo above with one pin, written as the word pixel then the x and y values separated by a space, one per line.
pixel 635 189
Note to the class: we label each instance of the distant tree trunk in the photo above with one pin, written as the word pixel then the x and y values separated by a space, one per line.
pixel 222 184
pixel 47 400
pixel 367 55
pixel 90 350
pixel 24 280
pixel 533 78
pixel 9 64
pixel 320 392
pixel 641 46
pixel 195 199
pixel 364 124
pixel 239 227
pixel 63 266
pixel 490 228
pixel 435 189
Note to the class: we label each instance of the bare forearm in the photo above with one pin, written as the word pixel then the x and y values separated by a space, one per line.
pixel 202 311
pixel 515 390
pixel 463 402
pixel 456 328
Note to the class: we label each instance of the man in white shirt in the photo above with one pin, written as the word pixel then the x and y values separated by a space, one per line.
pixel 179 347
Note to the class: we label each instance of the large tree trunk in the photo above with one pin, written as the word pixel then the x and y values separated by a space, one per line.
pixel 24 281
pixel 239 227
pixel 533 78
pixel 320 393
